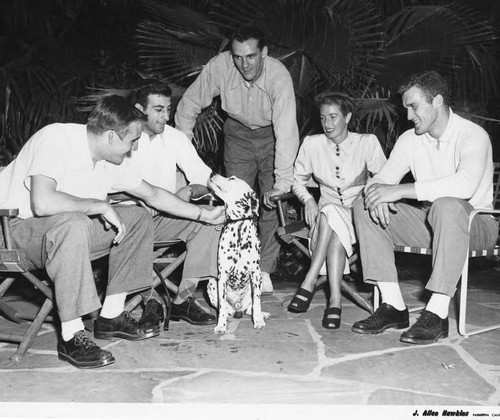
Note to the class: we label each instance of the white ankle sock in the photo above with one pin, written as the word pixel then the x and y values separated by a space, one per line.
pixel 70 328
pixel 439 304
pixel 391 294
pixel 113 305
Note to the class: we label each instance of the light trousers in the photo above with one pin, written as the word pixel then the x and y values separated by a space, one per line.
pixel 443 227
pixel 249 155
pixel 66 243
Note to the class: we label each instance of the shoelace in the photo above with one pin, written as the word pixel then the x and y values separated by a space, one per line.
pixel 425 320
pixel 129 319
pixel 152 307
pixel 194 306
pixel 83 340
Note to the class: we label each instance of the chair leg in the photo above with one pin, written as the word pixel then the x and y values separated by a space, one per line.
pixel 136 300
pixel 356 296
pixel 32 331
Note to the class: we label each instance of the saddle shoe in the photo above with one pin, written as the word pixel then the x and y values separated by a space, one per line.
pixel 386 316
pixel 191 312
pixel 123 326
pixel 428 328
pixel 83 353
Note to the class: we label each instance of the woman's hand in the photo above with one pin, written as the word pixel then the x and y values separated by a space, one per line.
pixel 311 211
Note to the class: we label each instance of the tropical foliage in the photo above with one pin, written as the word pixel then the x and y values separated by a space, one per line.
pixel 364 48
pixel 52 51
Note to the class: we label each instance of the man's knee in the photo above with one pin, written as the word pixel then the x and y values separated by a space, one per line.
pixel 448 209
pixel 72 224
pixel 134 215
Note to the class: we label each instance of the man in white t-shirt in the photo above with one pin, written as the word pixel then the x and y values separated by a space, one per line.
pixel 450 159
pixel 59 182
pixel 162 151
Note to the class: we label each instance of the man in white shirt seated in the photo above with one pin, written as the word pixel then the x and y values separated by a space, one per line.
pixel 59 182
pixel 451 161
pixel 162 150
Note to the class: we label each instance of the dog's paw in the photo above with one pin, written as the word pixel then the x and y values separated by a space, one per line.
pixel 258 324
pixel 220 329
pixel 266 315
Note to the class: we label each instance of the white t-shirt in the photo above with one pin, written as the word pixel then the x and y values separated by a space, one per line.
pixel 61 152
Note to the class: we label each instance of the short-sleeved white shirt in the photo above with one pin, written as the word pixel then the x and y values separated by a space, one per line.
pixel 61 152
pixel 157 160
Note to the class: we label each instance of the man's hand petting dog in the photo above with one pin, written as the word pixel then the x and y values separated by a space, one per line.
pixel 212 215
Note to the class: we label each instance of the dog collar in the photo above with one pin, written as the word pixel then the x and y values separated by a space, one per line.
pixel 240 219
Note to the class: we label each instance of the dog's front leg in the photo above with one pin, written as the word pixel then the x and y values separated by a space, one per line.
pixel 220 328
pixel 257 314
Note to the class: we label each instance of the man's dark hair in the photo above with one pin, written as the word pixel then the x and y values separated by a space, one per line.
pixel 430 83
pixel 249 32
pixel 140 95
pixel 343 101
pixel 113 112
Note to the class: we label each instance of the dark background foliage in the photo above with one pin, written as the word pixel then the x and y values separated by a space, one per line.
pixel 53 53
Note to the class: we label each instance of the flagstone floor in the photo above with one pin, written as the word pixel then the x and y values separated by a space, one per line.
pixel 293 364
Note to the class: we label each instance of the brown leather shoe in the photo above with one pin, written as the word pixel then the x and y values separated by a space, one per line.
pixel 83 353
pixel 428 329
pixel 386 316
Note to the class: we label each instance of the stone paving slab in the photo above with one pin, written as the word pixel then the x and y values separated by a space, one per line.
pixel 293 361
pixel 434 369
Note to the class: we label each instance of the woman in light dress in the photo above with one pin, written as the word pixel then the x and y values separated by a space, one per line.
pixel 340 161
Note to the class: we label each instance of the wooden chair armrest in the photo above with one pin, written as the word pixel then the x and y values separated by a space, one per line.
pixel 6 215
pixel 282 197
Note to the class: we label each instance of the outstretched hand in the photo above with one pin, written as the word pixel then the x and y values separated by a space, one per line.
pixel 213 215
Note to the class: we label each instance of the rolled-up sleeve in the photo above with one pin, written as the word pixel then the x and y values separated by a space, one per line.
pixel 198 96
pixel 287 135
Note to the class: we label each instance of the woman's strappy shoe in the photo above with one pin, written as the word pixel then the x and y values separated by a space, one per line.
pixel 301 301
pixel 331 318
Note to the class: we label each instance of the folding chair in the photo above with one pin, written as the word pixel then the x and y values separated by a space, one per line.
pixel 13 263
pixel 297 231
pixel 462 329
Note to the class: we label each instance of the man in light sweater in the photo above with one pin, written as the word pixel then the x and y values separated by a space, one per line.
pixel 450 159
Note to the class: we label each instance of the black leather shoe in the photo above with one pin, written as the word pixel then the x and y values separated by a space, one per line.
pixel 123 326
pixel 428 329
pixel 191 312
pixel 83 353
pixel 386 316
pixel 152 316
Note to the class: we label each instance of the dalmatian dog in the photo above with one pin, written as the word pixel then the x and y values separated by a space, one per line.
pixel 240 282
